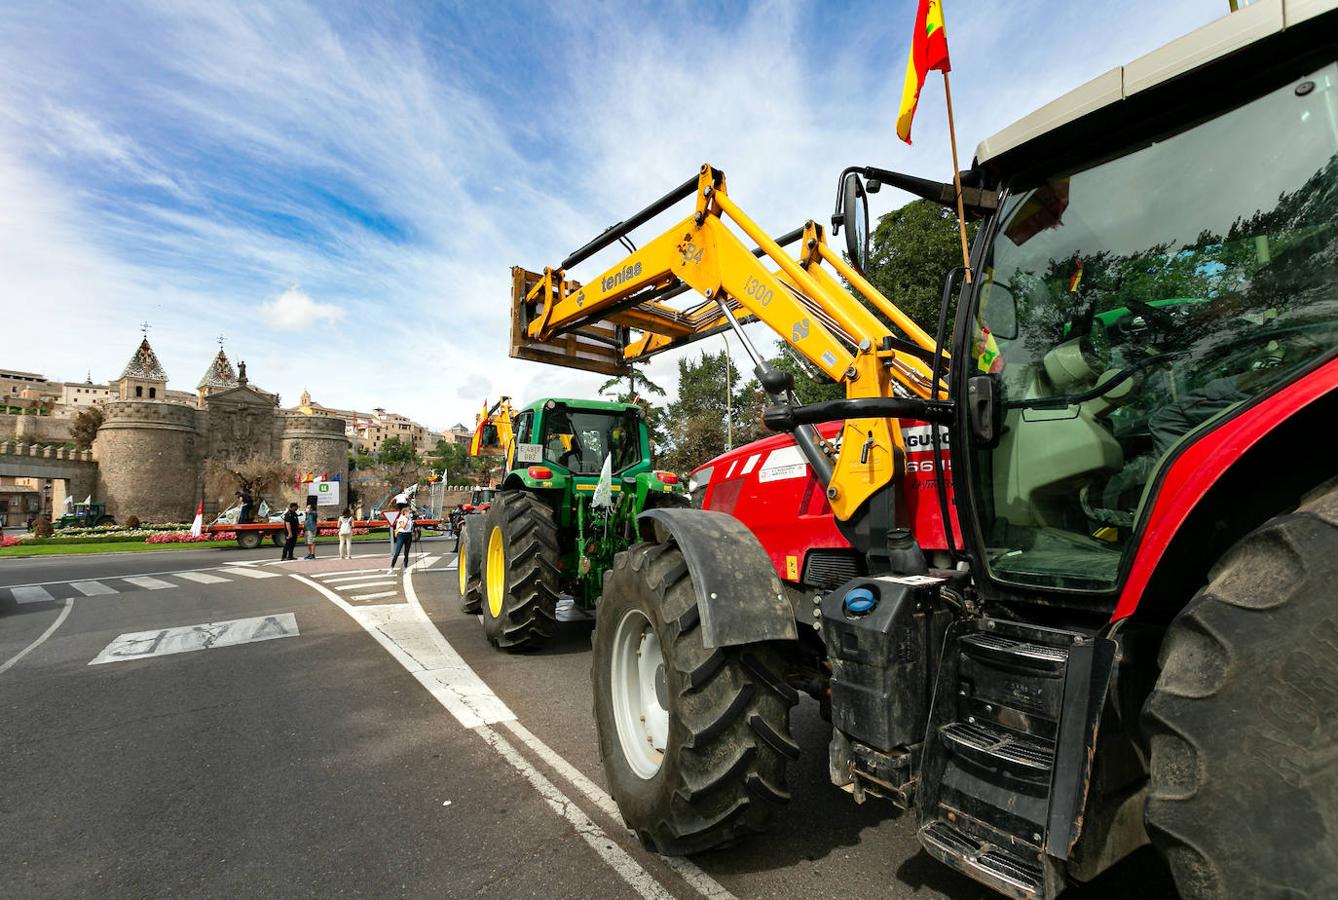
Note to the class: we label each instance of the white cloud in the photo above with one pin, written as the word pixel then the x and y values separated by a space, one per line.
pixel 474 388
pixel 293 310
pixel 179 166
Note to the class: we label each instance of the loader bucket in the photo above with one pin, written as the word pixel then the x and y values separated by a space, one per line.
pixel 596 347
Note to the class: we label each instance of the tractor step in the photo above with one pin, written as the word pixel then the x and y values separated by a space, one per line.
pixel 1001 869
pixel 999 748
pixel 1009 745
pixel 1022 653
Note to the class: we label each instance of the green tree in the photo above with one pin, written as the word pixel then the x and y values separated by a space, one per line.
pixel 86 425
pixel 396 450
pixel 811 385
pixel 910 252
pixel 708 396
pixel 637 388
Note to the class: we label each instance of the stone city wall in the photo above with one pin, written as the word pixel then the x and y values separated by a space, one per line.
pixel 36 429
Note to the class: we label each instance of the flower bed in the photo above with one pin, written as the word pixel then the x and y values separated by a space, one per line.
pixel 185 537
pixel 100 530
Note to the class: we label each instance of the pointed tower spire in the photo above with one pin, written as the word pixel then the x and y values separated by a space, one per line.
pixel 144 364
pixel 219 375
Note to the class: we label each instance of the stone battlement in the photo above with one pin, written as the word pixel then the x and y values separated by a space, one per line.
pixel 148 414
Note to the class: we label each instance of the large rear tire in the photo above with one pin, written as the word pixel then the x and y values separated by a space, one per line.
pixel 694 740
pixel 1243 800
pixel 520 572
pixel 470 564
pixel 249 540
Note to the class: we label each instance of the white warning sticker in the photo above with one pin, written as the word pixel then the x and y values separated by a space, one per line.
pixel 782 464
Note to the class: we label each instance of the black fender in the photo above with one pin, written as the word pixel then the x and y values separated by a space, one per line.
pixel 739 596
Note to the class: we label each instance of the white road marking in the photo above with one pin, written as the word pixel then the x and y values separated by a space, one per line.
pixel 453 564
pixel 150 584
pixel 9 663
pixel 201 577
pixel 618 859
pixel 410 636
pixel 691 873
pixel 92 588
pixel 187 638
pixel 251 573
pixel 374 582
pixel 354 575
pixel 703 883
pixel 31 594
pixel 375 596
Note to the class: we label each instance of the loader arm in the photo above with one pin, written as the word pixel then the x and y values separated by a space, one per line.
pixel 499 417
pixel 795 296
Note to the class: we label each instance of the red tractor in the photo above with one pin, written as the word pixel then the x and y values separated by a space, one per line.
pixel 1128 632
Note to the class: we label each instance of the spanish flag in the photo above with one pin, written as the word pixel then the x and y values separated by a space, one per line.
pixel 929 50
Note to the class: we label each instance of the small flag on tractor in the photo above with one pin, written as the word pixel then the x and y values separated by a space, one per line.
pixel 929 50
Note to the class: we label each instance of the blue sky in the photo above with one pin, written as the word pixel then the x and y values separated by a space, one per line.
pixel 342 189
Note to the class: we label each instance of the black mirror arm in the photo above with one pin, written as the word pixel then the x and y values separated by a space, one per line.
pixel 976 199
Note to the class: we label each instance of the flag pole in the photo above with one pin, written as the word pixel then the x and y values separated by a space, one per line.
pixel 957 180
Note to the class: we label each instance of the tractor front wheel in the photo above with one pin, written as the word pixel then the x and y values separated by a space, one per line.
pixel 1243 800
pixel 470 562
pixel 694 740
pixel 520 572
pixel 248 540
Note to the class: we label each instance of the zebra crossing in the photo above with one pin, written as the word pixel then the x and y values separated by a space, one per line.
pixel 360 585
pixel 372 585
pixel 53 592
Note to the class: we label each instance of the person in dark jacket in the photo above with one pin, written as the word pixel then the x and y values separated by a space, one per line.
pixel 244 515
pixel 312 529
pixel 290 529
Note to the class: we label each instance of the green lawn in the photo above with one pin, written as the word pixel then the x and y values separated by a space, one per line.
pixel 54 549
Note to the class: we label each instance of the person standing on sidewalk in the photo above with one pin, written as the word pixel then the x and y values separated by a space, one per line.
pixel 346 535
pixel 403 529
pixel 289 532
pixel 312 529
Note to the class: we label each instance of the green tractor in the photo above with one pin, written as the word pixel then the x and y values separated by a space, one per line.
pixel 578 474
pixel 84 515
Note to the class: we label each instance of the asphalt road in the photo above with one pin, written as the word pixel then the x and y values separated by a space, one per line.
pixel 371 744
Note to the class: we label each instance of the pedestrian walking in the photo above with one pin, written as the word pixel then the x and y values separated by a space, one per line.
pixel 290 529
pixel 346 535
pixel 312 528
pixel 403 528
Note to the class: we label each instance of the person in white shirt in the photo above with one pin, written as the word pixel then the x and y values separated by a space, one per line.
pixel 346 535
pixel 403 529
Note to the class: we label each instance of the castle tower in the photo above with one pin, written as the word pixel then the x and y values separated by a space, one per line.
pixel 218 377
pixel 143 377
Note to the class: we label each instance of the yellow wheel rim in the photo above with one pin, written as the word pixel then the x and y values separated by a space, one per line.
pixel 496 575
pixel 460 560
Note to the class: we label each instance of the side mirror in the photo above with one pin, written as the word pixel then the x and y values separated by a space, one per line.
pixel 855 217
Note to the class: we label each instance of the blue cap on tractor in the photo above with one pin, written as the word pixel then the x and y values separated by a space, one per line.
pixel 860 600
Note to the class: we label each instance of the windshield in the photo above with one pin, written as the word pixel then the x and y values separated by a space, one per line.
pixel 1128 306
pixel 579 439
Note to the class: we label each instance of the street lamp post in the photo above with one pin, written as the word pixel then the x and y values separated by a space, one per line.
pixel 729 398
